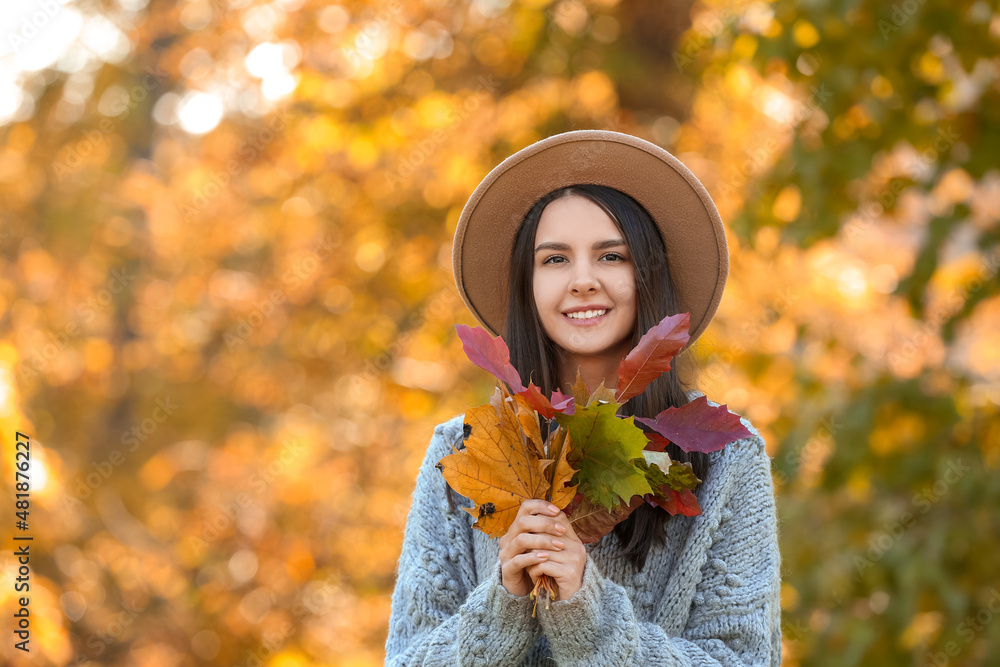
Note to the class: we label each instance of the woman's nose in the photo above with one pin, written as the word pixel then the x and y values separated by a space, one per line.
pixel 583 279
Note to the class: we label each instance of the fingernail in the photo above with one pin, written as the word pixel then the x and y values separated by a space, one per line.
pixel 559 527
pixel 553 509
pixel 557 544
pixel 543 555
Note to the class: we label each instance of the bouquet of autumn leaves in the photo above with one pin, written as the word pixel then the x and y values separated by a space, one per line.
pixel 595 465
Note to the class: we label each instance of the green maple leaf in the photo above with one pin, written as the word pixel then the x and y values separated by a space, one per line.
pixel 603 447
pixel 661 471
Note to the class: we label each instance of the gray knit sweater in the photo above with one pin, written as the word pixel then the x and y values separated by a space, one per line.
pixel 708 596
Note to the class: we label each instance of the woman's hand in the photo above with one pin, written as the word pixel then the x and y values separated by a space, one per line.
pixel 531 540
pixel 566 565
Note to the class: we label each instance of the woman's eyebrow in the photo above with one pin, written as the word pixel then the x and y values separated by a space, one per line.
pixel 600 245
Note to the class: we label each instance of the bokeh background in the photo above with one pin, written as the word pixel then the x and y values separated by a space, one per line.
pixel 227 311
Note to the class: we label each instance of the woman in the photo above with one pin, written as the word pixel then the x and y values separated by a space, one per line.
pixel 607 235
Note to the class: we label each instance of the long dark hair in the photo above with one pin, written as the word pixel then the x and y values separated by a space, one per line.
pixel 535 355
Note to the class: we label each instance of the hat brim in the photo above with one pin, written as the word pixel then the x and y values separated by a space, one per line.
pixel 692 229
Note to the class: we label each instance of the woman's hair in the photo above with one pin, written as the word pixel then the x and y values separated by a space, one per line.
pixel 536 356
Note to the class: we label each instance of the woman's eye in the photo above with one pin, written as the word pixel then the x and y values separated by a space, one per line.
pixel 552 260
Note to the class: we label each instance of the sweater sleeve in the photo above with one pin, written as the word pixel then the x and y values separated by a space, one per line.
pixel 735 616
pixel 440 614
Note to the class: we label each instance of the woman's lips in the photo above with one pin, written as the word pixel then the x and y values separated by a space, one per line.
pixel 587 322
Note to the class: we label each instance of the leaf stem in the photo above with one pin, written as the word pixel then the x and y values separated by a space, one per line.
pixel 544 586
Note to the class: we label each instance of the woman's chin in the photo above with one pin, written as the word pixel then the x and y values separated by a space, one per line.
pixel 588 350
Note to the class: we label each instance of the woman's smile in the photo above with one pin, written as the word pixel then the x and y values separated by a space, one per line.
pixel 587 318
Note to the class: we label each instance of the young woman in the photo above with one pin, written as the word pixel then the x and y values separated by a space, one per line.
pixel 607 234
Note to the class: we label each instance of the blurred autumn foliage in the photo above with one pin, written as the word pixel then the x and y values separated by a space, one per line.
pixel 227 314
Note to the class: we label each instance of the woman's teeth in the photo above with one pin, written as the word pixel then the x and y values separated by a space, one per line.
pixel 586 314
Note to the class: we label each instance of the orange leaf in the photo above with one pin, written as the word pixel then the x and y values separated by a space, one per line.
pixel 559 493
pixel 581 394
pixel 528 419
pixel 532 395
pixel 499 468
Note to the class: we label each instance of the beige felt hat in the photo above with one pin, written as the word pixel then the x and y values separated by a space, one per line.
pixel 688 220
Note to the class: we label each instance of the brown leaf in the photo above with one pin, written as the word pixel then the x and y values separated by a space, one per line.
pixel 581 394
pixel 592 522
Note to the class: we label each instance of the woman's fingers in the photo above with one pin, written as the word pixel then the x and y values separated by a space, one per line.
pixel 526 560
pixel 567 525
pixel 537 523
pixel 528 511
pixel 526 541
pixel 535 507
pixel 531 539
pixel 548 566
pixel 564 567
pixel 536 531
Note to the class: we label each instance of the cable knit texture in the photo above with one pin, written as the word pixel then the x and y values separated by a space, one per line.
pixel 707 595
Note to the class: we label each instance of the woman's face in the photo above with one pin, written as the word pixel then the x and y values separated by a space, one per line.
pixel 582 263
